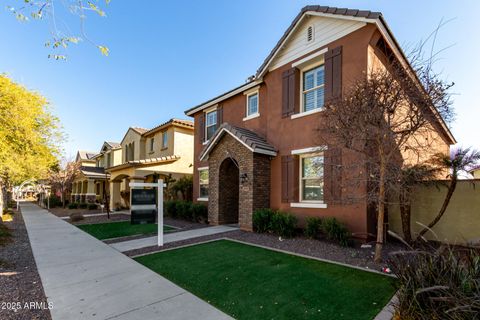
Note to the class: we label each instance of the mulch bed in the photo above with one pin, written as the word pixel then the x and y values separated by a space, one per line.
pixel 354 256
pixel 65 212
pixel 19 279
pixel 102 219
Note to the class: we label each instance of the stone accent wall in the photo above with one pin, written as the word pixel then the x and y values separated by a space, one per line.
pixel 254 189
pixel 91 198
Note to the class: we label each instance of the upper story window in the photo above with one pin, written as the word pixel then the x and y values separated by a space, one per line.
pixel 210 124
pixel 252 104
pixel 164 140
pixel 313 90
pixel 311 173
pixel 152 144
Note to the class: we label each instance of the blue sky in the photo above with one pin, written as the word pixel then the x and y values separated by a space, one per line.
pixel 167 56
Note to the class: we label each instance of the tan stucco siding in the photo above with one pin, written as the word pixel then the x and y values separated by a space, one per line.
pixel 459 225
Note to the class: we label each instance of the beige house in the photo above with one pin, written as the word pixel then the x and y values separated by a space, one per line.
pixel 475 172
pixel 83 187
pixel 147 155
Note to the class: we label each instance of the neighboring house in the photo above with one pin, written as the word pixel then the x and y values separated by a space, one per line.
pixel 475 172
pixel 83 186
pixel 148 155
pixel 256 145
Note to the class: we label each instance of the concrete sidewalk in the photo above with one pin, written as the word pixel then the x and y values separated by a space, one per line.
pixel 86 279
pixel 170 237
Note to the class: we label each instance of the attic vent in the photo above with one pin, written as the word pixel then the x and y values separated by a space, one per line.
pixel 309 33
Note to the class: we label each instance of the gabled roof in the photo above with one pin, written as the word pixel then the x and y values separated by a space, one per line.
pixel 334 12
pixel 85 155
pixel 172 122
pixel 249 139
pixel 137 130
pixel 113 145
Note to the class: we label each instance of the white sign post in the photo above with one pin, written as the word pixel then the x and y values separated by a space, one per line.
pixel 159 186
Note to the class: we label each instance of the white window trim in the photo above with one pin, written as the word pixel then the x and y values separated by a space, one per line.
pixel 302 71
pixel 315 205
pixel 300 179
pixel 311 150
pixel 306 113
pixel 214 108
pixel 199 184
pixel 253 115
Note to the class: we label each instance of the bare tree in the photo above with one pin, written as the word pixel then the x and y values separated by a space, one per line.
pixel 389 119
pixel 62 178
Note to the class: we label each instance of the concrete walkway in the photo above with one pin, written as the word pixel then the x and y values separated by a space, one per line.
pixel 170 237
pixel 86 279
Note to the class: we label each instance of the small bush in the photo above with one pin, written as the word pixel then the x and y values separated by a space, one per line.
pixel 283 224
pixel 437 283
pixel 262 219
pixel 184 210
pixel 336 231
pixel 200 212
pixel 313 228
pixel 92 206
pixel 82 205
pixel 12 204
pixel 76 216
pixel 54 201
pixel 170 208
pixel 73 205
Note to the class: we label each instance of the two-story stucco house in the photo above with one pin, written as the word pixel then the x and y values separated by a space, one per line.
pixel 147 155
pixel 92 181
pixel 256 145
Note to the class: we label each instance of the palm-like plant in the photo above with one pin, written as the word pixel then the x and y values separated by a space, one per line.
pixel 461 160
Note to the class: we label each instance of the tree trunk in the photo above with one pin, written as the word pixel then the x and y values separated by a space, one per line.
pixel 381 209
pixel 446 202
pixel 405 214
pixel 1 198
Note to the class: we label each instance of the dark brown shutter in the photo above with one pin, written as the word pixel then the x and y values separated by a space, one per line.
pixel 290 92
pixel 333 175
pixel 219 115
pixel 333 73
pixel 201 127
pixel 289 185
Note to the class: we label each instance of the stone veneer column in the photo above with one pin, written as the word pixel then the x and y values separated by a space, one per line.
pixel 254 191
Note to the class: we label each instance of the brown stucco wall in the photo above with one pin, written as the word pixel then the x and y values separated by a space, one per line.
pixel 289 134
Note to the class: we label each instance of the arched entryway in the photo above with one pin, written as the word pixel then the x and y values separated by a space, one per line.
pixel 228 195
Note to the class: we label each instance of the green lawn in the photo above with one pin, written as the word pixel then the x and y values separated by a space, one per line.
pixel 120 229
pixel 248 282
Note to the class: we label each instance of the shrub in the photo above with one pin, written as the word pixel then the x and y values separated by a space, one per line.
pixel 92 206
pixel 73 205
pixel 262 219
pixel 82 205
pixel 54 201
pixel 184 210
pixel 200 212
pixel 437 283
pixel 170 208
pixel 336 231
pixel 12 204
pixel 76 216
pixel 283 224
pixel 313 228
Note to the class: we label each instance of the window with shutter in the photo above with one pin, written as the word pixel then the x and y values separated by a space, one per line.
pixel 333 73
pixel 290 92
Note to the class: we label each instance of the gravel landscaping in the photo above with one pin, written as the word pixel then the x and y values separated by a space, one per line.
pixel 19 279
pixel 65 212
pixel 102 219
pixel 355 256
